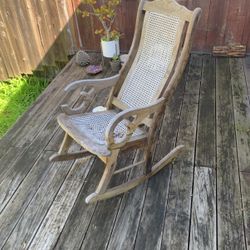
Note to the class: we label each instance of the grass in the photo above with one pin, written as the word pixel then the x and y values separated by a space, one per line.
pixel 16 95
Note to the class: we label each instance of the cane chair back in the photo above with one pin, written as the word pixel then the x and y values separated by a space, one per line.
pixel 161 41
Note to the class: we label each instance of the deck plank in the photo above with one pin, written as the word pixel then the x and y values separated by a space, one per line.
pixel 241 113
pixel 242 128
pixel 247 73
pixel 203 233
pixel 177 218
pixel 206 127
pixel 230 219
pixel 245 187
pixel 203 221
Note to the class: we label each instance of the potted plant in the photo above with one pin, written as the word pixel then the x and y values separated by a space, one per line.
pixel 106 14
pixel 115 63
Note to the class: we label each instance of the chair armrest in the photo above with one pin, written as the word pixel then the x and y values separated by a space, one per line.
pixel 86 97
pixel 137 115
pixel 97 84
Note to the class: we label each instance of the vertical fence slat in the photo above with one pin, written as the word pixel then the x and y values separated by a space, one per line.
pixel 8 52
pixel 15 31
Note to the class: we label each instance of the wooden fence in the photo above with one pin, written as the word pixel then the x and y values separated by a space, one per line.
pixel 223 22
pixel 34 33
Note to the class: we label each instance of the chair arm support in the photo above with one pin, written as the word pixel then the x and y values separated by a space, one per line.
pixel 138 115
pixel 97 84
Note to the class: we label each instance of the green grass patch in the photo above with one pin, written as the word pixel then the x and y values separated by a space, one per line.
pixel 16 95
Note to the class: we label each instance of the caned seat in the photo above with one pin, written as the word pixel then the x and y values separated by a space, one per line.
pixel 91 127
pixel 137 100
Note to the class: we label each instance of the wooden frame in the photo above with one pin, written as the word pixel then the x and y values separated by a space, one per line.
pixel 149 116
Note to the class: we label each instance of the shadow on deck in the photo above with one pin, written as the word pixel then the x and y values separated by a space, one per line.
pixel 202 201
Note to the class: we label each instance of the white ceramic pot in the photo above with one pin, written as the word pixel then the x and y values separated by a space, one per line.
pixel 110 48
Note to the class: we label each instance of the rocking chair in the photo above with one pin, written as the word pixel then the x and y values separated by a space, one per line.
pixel 139 94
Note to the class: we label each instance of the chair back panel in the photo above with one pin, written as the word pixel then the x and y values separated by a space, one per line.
pixel 160 41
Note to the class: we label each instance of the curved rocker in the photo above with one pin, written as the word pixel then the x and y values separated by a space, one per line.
pixel 136 181
pixel 139 95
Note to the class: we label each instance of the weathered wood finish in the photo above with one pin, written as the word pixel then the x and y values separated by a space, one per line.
pixel 230 219
pixel 223 22
pixel 203 224
pixel 242 127
pixel 33 34
pixel 156 213
pixel 177 217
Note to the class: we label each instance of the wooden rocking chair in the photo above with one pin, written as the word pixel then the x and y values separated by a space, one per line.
pixel 157 59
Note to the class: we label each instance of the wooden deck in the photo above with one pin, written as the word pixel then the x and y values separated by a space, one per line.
pixel 201 202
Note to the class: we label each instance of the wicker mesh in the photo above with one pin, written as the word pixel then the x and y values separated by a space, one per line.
pixel 141 85
pixel 95 124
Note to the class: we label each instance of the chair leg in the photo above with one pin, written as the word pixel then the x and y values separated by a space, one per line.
pixel 63 154
pixel 106 177
pixel 148 153
pixel 67 140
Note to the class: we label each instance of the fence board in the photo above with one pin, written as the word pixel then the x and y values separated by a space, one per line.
pixel 20 45
pixel 8 55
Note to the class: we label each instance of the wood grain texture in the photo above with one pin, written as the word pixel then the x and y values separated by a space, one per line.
pixel 77 223
pixel 53 223
pixel 177 218
pixel 33 34
pixel 242 129
pixel 203 226
pixel 222 22
pixel 241 113
pixel 205 145
pixel 21 199
pixel 203 221
pixel 230 216
pixel 30 206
